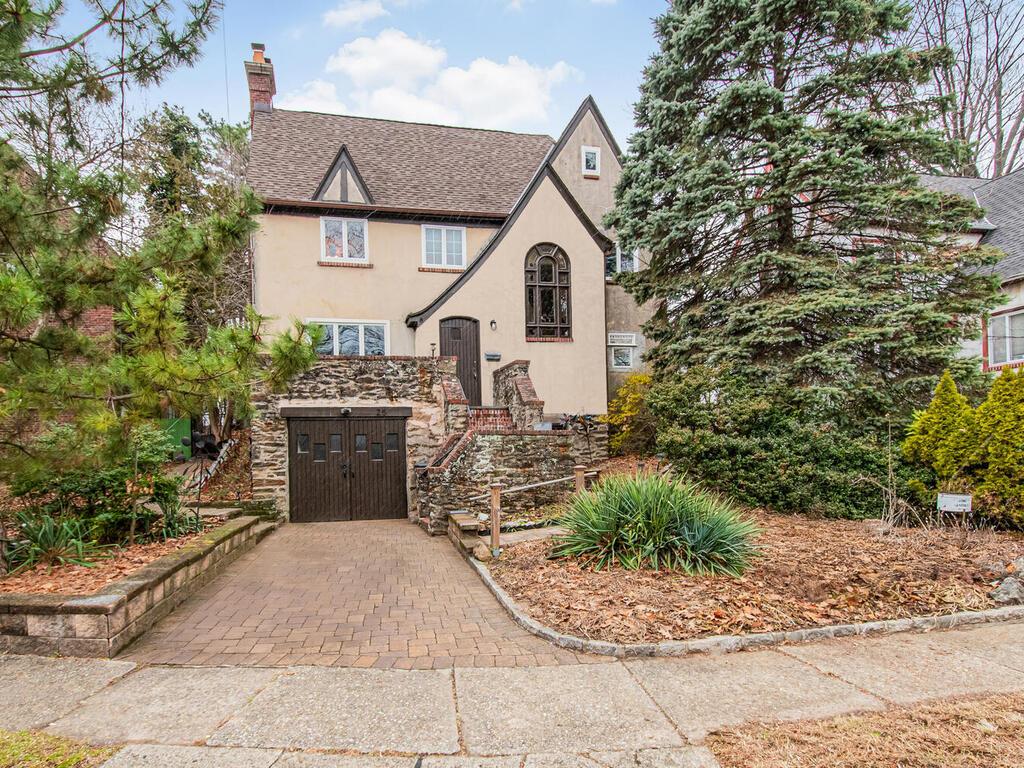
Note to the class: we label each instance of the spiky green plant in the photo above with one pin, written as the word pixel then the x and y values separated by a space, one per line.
pixel 44 540
pixel 649 521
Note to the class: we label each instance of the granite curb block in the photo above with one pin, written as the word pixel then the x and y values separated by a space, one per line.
pixel 101 624
pixel 729 643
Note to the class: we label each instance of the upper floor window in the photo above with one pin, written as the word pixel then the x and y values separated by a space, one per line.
pixel 1006 338
pixel 444 247
pixel 352 338
pixel 620 261
pixel 590 158
pixel 343 240
pixel 548 303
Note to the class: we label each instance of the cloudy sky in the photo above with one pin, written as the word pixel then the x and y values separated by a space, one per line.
pixel 514 64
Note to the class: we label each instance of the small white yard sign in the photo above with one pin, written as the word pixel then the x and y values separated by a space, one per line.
pixel 954 502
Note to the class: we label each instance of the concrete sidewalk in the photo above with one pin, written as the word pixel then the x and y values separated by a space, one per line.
pixel 648 713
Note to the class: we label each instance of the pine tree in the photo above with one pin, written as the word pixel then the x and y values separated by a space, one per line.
pixel 773 182
pixel 68 397
pixel 943 435
pixel 1000 449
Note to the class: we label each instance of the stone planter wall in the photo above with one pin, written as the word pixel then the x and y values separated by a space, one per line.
pixel 101 624
pixel 427 385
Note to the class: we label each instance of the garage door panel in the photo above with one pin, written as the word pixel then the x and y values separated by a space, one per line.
pixel 347 469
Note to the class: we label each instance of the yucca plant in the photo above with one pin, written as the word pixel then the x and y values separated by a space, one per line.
pixel 649 521
pixel 44 540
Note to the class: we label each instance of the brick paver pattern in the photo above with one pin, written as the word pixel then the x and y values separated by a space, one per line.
pixel 378 594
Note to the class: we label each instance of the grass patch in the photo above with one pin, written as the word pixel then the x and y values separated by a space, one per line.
pixel 30 749
pixel 977 733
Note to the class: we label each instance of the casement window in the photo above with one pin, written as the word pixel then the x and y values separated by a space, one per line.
pixel 590 161
pixel 343 240
pixel 621 261
pixel 622 349
pixel 1006 338
pixel 352 338
pixel 548 301
pixel 444 247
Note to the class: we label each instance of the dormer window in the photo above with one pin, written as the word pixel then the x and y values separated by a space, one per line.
pixel 591 161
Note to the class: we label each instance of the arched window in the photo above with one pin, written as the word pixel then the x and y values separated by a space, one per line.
pixel 548 304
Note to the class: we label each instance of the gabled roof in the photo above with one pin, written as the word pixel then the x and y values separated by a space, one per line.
pixel 409 166
pixel 588 105
pixel 1003 224
pixel 342 163
pixel 546 171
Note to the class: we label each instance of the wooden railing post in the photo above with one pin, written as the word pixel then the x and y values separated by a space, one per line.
pixel 581 477
pixel 495 518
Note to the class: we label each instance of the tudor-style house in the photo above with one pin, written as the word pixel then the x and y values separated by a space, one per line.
pixel 405 241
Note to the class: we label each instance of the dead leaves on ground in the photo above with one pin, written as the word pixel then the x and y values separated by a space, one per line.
pixel 811 572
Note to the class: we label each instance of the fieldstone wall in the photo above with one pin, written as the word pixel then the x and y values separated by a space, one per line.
pixel 512 458
pixel 513 389
pixel 101 624
pixel 423 384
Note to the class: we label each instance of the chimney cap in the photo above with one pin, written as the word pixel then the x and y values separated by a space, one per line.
pixel 258 47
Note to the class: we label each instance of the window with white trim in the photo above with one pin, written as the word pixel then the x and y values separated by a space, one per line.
pixel 444 247
pixel 1006 338
pixel 343 240
pixel 621 261
pixel 352 338
pixel 590 161
pixel 622 358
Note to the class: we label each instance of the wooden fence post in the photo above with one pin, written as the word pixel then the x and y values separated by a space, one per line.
pixel 495 518
pixel 581 477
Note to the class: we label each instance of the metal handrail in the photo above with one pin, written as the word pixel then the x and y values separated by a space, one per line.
pixel 530 487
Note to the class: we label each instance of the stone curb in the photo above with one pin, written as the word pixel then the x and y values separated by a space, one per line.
pixel 729 643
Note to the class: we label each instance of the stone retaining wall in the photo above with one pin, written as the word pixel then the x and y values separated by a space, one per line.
pixel 513 389
pixel 511 458
pixel 427 385
pixel 101 624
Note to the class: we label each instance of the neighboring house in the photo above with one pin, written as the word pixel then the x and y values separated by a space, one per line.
pixel 410 241
pixel 1002 340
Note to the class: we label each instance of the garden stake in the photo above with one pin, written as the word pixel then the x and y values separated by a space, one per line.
pixel 495 519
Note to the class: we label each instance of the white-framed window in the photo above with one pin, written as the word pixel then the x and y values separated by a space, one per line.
pixel 621 261
pixel 353 338
pixel 344 240
pixel 622 358
pixel 590 161
pixel 1006 338
pixel 444 247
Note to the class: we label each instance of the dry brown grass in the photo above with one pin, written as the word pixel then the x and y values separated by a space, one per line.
pixel 978 733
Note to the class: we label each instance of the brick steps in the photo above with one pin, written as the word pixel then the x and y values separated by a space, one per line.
pixel 490 418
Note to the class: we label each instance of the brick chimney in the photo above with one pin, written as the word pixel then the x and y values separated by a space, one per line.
pixel 260 74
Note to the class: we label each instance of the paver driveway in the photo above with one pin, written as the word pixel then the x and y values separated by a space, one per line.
pixel 363 594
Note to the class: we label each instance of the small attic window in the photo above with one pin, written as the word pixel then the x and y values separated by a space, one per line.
pixel 590 158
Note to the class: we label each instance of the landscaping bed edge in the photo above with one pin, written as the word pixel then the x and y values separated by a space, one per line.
pixel 730 643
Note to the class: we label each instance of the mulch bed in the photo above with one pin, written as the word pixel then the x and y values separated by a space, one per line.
pixel 80 580
pixel 985 732
pixel 810 573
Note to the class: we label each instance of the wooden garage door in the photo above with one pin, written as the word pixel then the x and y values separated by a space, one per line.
pixel 346 469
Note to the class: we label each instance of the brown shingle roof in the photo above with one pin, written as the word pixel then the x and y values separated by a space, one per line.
pixel 404 165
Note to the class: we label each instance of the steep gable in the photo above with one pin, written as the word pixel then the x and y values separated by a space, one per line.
pixel 342 182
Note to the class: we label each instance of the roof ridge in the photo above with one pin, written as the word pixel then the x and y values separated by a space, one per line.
pixel 413 122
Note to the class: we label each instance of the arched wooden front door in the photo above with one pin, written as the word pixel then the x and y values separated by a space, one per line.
pixel 460 337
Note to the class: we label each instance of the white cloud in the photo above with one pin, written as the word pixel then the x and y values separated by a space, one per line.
pixel 490 94
pixel 314 96
pixel 390 58
pixel 352 13
pixel 394 76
